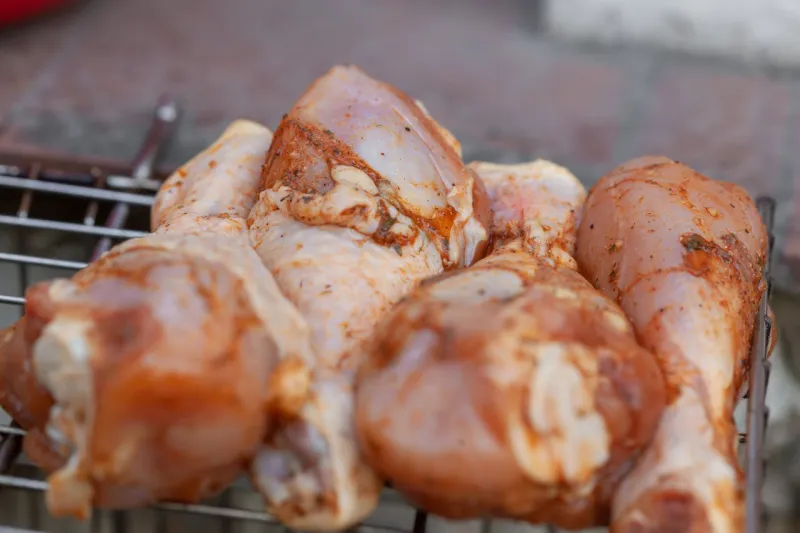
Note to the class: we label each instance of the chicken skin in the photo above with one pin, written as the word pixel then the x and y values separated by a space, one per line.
pixel 683 255
pixel 145 376
pixel 364 195
pixel 511 388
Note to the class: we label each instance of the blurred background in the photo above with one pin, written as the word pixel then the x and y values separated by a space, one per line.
pixel 586 83
pixel 710 82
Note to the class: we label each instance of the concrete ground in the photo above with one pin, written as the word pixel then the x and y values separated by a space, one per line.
pixel 758 31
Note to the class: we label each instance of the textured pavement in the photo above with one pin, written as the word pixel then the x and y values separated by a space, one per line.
pixel 84 82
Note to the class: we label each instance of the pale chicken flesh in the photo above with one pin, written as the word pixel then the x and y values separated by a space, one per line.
pixel 364 195
pixel 683 255
pixel 145 376
pixel 511 388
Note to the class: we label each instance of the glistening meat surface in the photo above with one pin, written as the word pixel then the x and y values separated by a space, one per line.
pixel 683 255
pixel 145 376
pixel 364 195
pixel 511 388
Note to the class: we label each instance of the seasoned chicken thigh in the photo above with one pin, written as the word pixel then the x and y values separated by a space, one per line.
pixel 145 376
pixel 364 195
pixel 683 255
pixel 511 388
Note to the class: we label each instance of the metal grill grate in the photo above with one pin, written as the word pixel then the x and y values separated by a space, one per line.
pixel 40 238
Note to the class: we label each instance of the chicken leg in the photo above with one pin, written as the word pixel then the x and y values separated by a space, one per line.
pixel 364 195
pixel 511 388
pixel 146 376
pixel 683 255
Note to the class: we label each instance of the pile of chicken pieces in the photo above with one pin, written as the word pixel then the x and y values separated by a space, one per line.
pixel 344 304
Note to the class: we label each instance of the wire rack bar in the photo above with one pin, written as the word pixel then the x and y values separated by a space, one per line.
pixel 206 510
pixel 196 509
pixel 12 300
pixel 41 261
pixel 12 430
pixel 27 184
pixel 74 170
pixel 166 116
pixel 69 227
pixel 5 529
pixel 757 412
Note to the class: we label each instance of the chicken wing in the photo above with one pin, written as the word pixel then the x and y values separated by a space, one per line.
pixel 145 376
pixel 511 388
pixel 683 255
pixel 364 195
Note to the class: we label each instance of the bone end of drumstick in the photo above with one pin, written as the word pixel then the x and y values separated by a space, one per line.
pixel 242 127
pixel 237 128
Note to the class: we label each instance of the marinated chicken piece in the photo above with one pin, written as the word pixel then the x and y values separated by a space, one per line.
pixel 511 388
pixel 683 255
pixel 146 376
pixel 364 195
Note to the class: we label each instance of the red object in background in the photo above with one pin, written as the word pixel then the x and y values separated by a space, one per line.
pixel 13 11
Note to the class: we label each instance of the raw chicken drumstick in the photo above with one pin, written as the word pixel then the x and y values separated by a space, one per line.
pixel 511 388
pixel 683 255
pixel 364 195
pixel 144 377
